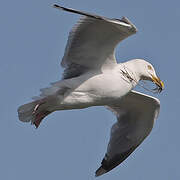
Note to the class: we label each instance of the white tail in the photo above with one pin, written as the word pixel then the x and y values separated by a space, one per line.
pixel 34 112
pixel 42 105
pixel 25 112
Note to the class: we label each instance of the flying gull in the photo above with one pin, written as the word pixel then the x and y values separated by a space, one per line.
pixel 92 77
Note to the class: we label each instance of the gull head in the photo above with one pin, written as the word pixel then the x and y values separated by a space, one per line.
pixel 139 69
pixel 147 72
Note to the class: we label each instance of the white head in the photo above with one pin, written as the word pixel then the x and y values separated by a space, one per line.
pixel 146 71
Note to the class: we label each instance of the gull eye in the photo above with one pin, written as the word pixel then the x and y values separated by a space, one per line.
pixel 149 67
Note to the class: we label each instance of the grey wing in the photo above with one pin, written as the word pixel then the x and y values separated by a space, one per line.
pixel 136 114
pixel 92 41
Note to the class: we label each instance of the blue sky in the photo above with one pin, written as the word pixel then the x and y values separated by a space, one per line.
pixel 71 144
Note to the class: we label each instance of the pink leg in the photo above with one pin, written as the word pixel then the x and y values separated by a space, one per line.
pixel 39 117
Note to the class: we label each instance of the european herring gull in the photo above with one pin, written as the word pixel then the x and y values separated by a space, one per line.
pixel 92 77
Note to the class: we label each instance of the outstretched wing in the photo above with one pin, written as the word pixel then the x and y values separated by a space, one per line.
pixel 136 114
pixel 92 41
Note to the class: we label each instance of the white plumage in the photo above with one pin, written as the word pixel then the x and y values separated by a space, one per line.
pixel 92 77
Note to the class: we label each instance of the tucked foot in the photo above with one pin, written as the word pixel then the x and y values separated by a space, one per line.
pixel 39 117
pixel 39 113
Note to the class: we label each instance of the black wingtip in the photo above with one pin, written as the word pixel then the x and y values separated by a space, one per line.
pixel 100 171
pixel 55 6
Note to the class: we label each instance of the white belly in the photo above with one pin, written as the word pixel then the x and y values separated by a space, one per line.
pixel 102 89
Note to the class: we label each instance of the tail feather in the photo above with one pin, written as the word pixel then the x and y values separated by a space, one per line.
pixel 25 112
pixel 42 105
pixel 34 112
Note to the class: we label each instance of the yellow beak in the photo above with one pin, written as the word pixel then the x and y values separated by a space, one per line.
pixel 158 82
